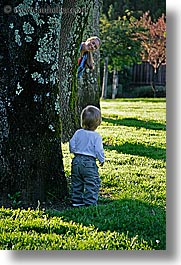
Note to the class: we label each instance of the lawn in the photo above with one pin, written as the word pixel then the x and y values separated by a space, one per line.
pixel 131 212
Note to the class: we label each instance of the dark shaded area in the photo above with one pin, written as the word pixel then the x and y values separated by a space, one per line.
pixel 139 149
pixel 132 122
pixel 156 7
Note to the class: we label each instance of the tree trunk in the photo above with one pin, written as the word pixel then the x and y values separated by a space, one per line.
pixel 115 84
pixel 77 25
pixel 30 142
pixel 89 90
pixel 74 20
pixel 105 77
pixel 153 84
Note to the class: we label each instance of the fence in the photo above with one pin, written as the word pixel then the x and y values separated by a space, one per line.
pixel 142 74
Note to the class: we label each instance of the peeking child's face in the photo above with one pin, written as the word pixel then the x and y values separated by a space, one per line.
pixel 92 45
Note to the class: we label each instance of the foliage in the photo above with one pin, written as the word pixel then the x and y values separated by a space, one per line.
pixel 114 9
pixel 128 40
pixel 15 199
pixel 130 214
pixel 118 41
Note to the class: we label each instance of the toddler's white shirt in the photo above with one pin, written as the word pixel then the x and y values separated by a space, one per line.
pixel 87 142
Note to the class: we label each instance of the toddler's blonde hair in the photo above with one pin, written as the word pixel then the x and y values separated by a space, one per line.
pixel 90 118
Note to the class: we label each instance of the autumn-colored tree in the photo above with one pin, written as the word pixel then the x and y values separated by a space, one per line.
pixel 153 42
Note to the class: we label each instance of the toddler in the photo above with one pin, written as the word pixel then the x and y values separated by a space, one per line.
pixel 86 145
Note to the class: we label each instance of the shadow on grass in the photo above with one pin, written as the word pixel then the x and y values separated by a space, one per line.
pixel 131 217
pixel 153 100
pixel 139 149
pixel 132 122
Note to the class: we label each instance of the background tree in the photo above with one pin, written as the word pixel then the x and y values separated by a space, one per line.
pixel 118 22
pixel 153 42
pixel 31 156
pixel 105 78
pixel 118 43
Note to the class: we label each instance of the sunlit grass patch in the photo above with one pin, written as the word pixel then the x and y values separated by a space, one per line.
pixel 131 211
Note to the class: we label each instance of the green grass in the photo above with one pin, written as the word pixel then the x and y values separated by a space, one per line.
pixel 131 213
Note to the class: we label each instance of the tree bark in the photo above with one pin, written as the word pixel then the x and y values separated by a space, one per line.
pixel 30 142
pixel 115 84
pixel 74 20
pixel 154 79
pixel 105 78
pixel 79 21
pixel 89 91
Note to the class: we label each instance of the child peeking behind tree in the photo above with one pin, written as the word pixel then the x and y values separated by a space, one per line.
pixel 86 58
